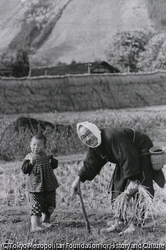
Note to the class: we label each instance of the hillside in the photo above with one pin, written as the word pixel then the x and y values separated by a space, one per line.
pixel 80 30
pixel 86 28
pixel 11 14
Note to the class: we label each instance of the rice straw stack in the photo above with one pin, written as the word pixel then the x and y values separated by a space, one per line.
pixel 137 207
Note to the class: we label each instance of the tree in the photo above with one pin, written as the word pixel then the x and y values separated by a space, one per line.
pixel 18 62
pixel 154 57
pixel 126 47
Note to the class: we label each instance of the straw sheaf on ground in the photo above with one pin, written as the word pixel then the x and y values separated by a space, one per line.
pixel 81 92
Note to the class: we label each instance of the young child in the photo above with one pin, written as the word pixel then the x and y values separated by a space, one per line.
pixel 41 182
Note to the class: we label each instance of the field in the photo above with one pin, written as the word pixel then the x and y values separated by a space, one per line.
pixel 68 223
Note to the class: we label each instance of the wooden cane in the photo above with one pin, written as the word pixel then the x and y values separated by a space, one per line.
pixel 84 211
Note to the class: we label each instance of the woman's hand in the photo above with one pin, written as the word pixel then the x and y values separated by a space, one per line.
pixel 132 187
pixel 75 186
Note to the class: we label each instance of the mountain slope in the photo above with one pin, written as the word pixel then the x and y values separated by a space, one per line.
pixel 83 31
pixel 86 27
pixel 11 14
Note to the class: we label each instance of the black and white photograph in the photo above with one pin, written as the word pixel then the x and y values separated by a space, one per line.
pixel 83 124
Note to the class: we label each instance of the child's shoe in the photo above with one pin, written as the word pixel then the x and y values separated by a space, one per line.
pixel 47 224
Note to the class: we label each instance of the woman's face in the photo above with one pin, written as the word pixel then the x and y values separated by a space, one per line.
pixel 88 137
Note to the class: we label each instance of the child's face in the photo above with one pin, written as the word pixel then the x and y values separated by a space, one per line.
pixel 37 146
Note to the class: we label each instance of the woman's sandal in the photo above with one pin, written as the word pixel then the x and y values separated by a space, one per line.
pixel 117 226
pixel 130 229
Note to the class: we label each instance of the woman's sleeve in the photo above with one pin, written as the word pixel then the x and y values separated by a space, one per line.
pixel 53 162
pixel 27 167
pixel 91 165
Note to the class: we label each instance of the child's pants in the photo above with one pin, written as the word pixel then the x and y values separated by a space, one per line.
pixel 43 202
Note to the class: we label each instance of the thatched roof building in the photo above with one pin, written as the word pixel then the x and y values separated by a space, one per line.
pixel 75 68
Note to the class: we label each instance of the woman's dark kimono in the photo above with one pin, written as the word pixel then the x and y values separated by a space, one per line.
pixel 129 150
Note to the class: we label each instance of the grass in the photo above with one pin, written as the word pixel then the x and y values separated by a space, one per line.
pixel 67 219
pixel 68 222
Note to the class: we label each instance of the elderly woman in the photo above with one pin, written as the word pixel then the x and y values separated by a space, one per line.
pixel 128 149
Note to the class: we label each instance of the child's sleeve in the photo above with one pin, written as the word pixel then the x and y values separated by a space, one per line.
pixel 53 162
pixel 27 166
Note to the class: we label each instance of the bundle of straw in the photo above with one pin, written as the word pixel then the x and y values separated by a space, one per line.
pixel 135 207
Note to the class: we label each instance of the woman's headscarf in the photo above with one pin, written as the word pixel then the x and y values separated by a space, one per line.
pixel 93 128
